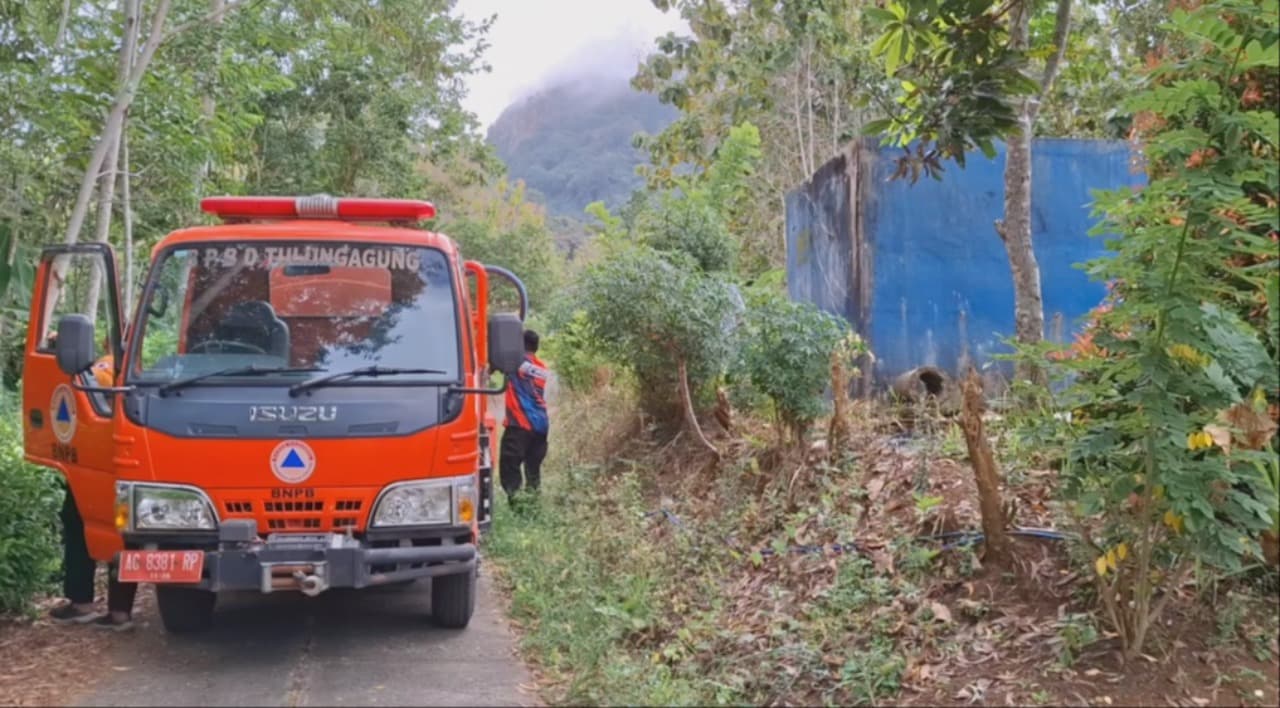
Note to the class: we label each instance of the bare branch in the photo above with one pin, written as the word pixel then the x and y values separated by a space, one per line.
pixel 1060 32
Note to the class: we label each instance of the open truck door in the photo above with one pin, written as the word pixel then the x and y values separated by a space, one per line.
pixel 489 330
pixel 67 424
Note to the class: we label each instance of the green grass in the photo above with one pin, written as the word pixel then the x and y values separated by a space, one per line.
pixel 584 585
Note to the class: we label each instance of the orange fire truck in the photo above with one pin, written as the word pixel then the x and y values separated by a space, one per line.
pixel 299 402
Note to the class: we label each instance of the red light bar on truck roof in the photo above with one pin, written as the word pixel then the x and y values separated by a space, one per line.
pixel 317 207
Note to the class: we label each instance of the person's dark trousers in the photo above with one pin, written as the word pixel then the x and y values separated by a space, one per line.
pixel 120 595
pixel 521 447
pixel 77 565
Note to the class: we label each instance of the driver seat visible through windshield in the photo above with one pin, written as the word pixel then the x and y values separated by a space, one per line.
pixel 254 323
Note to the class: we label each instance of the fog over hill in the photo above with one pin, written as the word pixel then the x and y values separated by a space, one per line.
pixel 571 141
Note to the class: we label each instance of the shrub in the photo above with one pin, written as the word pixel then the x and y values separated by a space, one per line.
pixel 689 225
pixel 786 355
pixel 571 350
pixel 656 316
pixel 29 501
pixel 1172 436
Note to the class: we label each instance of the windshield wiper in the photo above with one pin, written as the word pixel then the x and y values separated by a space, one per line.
pixel 233 371
pixel 372 371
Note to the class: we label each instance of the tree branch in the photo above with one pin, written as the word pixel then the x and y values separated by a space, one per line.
pixel 691 417
pixel 1060 32
pixel 214 15
pixel 61 36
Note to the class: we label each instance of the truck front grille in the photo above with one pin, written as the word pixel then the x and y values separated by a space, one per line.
pixel 289 506
pixel 275 515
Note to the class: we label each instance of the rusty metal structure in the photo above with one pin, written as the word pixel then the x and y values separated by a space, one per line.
pixel 919 271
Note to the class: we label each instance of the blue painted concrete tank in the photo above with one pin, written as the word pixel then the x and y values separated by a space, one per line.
pixel 919 271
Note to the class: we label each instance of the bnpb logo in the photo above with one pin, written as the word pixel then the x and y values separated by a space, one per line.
pixel 63 409
pixel 293 461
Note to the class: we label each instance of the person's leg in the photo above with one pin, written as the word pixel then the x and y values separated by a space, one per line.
pixel 120 597
pixel 77 567
pixel 515 442
pixel 533 460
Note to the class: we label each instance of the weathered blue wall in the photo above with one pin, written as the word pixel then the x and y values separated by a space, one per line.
pixel 919 270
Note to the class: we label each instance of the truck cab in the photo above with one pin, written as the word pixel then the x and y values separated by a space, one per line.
pixel 299 403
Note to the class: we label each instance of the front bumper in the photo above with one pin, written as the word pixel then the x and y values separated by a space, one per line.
pixel 314 563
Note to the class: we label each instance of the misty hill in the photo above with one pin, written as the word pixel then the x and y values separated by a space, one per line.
pixel 571 143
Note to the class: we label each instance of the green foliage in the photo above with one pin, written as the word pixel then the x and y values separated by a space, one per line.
pixel 336 96
pixel 797 71
pixel 652 312
pixel 1172 385
pixel 691 226
pixel 961 79
pixel 726 183
pixel 572 351
pixel 786 355
pixel 1108 44
pixel 1075 633
pixel 29 502
pixel 373 89
pixel 508 231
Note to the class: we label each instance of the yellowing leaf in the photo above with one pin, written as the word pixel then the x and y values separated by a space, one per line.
pixel 1173 521
pixel 1111 559
pixel 1122 551
pixel 1100 565
pixel 1188 354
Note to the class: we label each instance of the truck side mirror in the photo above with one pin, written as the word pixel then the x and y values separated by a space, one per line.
pixel 506 343
pixel 74 349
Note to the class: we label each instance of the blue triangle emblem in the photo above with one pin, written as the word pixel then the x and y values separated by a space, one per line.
pixel 292 460
pixel 64 415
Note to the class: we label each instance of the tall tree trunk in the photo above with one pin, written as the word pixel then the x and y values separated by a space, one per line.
pixel 115 121
pixel 126 213
pixel 107 180
pixel 125 94
pixel 208 104
pixel 1015 228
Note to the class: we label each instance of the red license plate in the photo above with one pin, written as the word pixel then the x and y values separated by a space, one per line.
pixel 161 566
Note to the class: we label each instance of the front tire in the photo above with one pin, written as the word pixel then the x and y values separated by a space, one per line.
pixel 453 599
pixel 185 610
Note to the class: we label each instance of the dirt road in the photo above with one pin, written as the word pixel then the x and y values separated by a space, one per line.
pixel 341 648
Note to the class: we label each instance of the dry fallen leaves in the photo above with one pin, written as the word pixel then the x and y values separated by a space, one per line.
pixel 940 612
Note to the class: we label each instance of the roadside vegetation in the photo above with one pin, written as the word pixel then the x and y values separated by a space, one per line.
pixel 721 525
pixel 30 554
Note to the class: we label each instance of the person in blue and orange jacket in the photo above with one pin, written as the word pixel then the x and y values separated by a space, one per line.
pixel 524 441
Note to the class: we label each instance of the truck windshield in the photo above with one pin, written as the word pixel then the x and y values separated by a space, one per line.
pixel 296 308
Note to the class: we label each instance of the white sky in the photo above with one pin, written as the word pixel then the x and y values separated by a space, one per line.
pixel 536 41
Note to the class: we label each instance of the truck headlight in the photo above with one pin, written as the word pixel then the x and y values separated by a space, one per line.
pixel 155 507
pixel 426 502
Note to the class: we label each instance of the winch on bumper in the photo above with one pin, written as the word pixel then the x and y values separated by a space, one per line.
pixel 314 562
